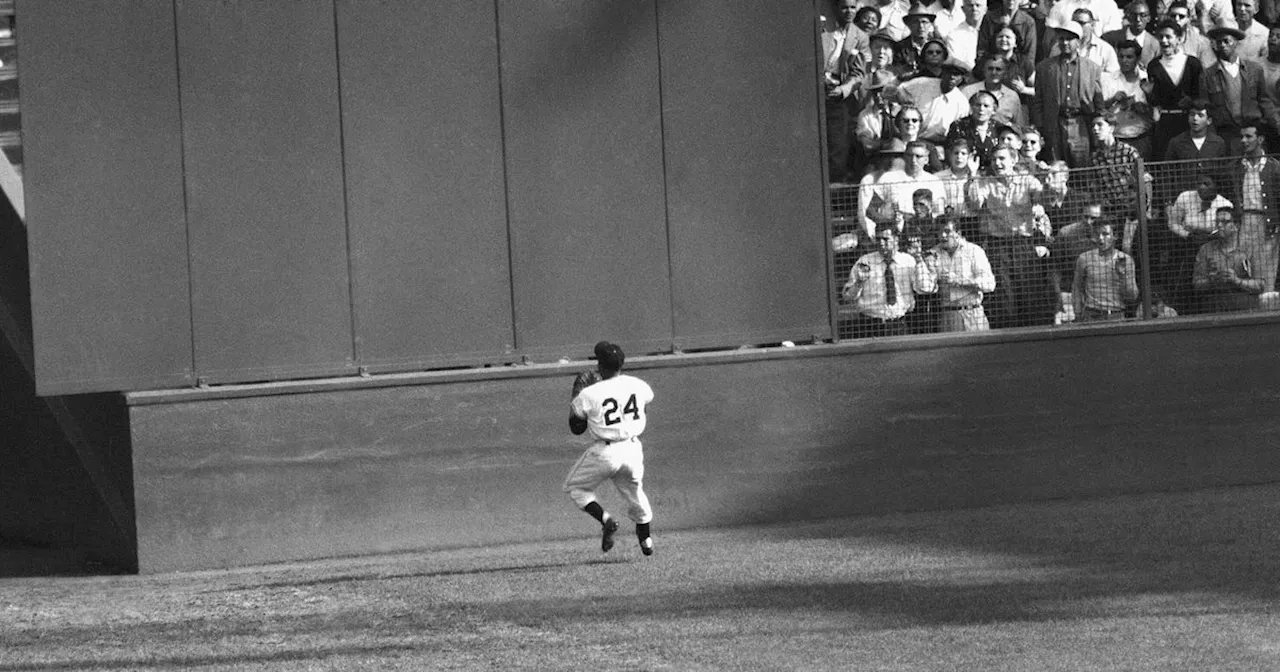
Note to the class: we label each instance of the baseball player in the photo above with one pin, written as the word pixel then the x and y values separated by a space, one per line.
pixel 612 406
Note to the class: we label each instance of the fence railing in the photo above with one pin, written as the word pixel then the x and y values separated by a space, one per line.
pixel 1146 240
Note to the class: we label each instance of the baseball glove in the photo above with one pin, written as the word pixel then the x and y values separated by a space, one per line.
pixel 582 380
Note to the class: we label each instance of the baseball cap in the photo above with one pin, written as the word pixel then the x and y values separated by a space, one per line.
pixel 609 356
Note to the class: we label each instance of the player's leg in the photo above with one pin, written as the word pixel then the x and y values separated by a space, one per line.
pixel 629 480
pixel 586 475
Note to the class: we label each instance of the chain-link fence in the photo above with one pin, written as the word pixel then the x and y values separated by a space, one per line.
pixel 1044 245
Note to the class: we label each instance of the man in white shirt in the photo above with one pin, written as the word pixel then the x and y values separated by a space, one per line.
pixel 1122 92
pixel 899 186
pixel 940 102
pixel 962 41
pixel 1195 211
pixel 883 285
pixel 1253 46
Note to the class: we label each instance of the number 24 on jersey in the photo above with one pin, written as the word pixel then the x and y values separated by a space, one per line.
pixel 611 414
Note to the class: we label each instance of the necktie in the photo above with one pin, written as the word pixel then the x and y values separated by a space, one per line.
pixel 890 287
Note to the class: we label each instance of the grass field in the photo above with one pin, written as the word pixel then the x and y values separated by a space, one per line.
pixel 1184 581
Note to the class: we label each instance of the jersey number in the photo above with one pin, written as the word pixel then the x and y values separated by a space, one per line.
pixel 611 410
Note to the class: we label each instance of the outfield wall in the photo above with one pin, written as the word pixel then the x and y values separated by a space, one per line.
pixel 251 474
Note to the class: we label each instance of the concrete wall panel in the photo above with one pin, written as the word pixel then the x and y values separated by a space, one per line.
pixel 270 286
pixel 584 156
pixel 422 133
pixel 743 172
pixel 104 196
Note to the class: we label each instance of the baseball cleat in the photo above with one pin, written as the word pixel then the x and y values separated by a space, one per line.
pixel 606 538
pixel 646 546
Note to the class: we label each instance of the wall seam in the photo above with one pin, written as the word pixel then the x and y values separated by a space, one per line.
pixel 346 201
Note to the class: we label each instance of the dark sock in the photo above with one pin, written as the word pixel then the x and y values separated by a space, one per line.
pixel 642 531
pixel 595 510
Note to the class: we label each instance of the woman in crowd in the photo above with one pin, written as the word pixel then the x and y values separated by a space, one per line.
pixel 868 19
pixel 1173 80
pixel 932 56
pixel 979 129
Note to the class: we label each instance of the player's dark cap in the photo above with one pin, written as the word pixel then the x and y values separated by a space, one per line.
pixel 609 356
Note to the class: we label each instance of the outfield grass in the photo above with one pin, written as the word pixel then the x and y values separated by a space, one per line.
pixel 1164 582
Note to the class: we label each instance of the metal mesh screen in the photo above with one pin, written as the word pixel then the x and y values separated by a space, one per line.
pixel 1048 246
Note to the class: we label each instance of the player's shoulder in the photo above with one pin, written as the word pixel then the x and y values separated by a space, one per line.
pixel 629 381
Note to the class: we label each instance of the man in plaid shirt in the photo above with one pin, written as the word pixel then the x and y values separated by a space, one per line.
pixel 1104 280
pixel 1112 177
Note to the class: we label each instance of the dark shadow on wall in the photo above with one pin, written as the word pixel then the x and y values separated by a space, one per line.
pixel 1006 425
pixel 65 462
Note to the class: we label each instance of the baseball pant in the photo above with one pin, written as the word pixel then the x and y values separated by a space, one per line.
pixel 621 462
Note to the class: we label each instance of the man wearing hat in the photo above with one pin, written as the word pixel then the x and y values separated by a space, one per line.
pixel 881 46
pixel 874 126
pixel 1091 46
pixel 1236 89
pixel 1068 94
pixel 920 24
pixel 1107 13
pixel 614 411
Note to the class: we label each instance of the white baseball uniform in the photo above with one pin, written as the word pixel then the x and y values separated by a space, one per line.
pixel 615 413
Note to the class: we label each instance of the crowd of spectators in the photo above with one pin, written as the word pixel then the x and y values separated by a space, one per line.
pixel 988 153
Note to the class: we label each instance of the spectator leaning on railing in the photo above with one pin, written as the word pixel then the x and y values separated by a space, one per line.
pixel 883 285
pixel 964 277
pixel 1256 192
pixel 1104 282
pixel 1192 220
pixel 1223 274
pixel 1005 202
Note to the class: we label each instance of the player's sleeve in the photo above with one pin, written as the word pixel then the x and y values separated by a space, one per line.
pixel 646 393
pixel 579 406
pixel 578 414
